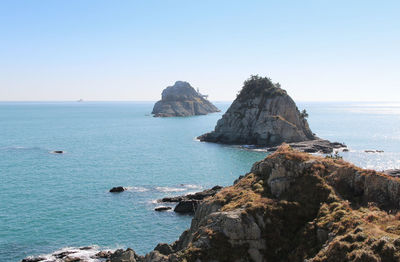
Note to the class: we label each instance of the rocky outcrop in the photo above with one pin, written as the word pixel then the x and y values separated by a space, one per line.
pixel 314 146
pixel 182 99
pixel 187 204
pixel 263 114
pixel 196 196
pixel 296 207
pixel 124 256
pixel 293 206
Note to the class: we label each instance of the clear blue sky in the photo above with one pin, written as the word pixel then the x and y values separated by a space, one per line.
pixel 131 50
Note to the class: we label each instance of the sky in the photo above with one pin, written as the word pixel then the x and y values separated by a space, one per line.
pixel 101 50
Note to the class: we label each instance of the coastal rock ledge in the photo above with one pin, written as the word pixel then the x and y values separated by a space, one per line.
pixel 182 99
pixel 292 206
pixel 264 115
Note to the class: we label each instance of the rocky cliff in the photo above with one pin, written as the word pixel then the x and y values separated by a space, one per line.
pixel 292 206
pixel 262 114
pixel 182 100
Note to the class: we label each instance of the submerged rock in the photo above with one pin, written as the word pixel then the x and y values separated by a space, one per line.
pixel 263 114
pixel 117 189
pixel 182 99
pixel 373 151
pixel 57 152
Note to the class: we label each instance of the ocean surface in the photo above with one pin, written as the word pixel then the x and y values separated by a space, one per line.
pixel 50 201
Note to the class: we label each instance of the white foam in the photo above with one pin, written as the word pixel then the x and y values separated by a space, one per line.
pixel 137 188
pixel 155 201
pixel 84 253
pixel 193 186
pixel 170 189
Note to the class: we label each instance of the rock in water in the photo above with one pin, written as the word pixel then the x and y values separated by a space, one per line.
pixel 262 114
pixel 117 189
pixel 162 208
pixel 182 99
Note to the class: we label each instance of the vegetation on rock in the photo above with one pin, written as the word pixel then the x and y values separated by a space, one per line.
pixel 294 206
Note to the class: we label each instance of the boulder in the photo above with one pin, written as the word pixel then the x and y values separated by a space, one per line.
pixel 124 256
pixel 164 249
pixel 186 206
pixel 182 99
pixel 103 254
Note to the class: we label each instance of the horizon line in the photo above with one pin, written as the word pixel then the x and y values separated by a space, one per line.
pixel 215 101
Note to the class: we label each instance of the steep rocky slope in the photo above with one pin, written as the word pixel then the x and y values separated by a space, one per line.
pixel 182 100
pixel 264 114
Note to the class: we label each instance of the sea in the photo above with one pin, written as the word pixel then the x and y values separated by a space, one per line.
pixel 51 202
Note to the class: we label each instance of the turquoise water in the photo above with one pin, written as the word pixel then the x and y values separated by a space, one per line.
pixel 51 201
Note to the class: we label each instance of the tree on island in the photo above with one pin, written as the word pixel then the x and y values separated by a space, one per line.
pixel 304 114
pixel 260 85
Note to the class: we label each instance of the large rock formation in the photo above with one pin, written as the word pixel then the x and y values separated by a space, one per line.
pixel 296 207
pixel 182 100
pixel 263 114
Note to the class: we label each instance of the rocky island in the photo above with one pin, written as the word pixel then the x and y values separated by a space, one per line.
pixel 263 114
pixel 182 99
pixel 291 206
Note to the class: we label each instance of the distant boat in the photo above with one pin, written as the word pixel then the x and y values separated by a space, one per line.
pixel 80 100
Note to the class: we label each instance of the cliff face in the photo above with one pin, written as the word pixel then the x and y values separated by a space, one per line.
pixel 182 100
pixel 293 206
pixel 262 114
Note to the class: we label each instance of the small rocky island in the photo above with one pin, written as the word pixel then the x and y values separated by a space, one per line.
pixel 182 99
pixel 263 114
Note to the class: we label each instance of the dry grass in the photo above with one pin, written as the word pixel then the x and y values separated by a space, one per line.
pixel 320 200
